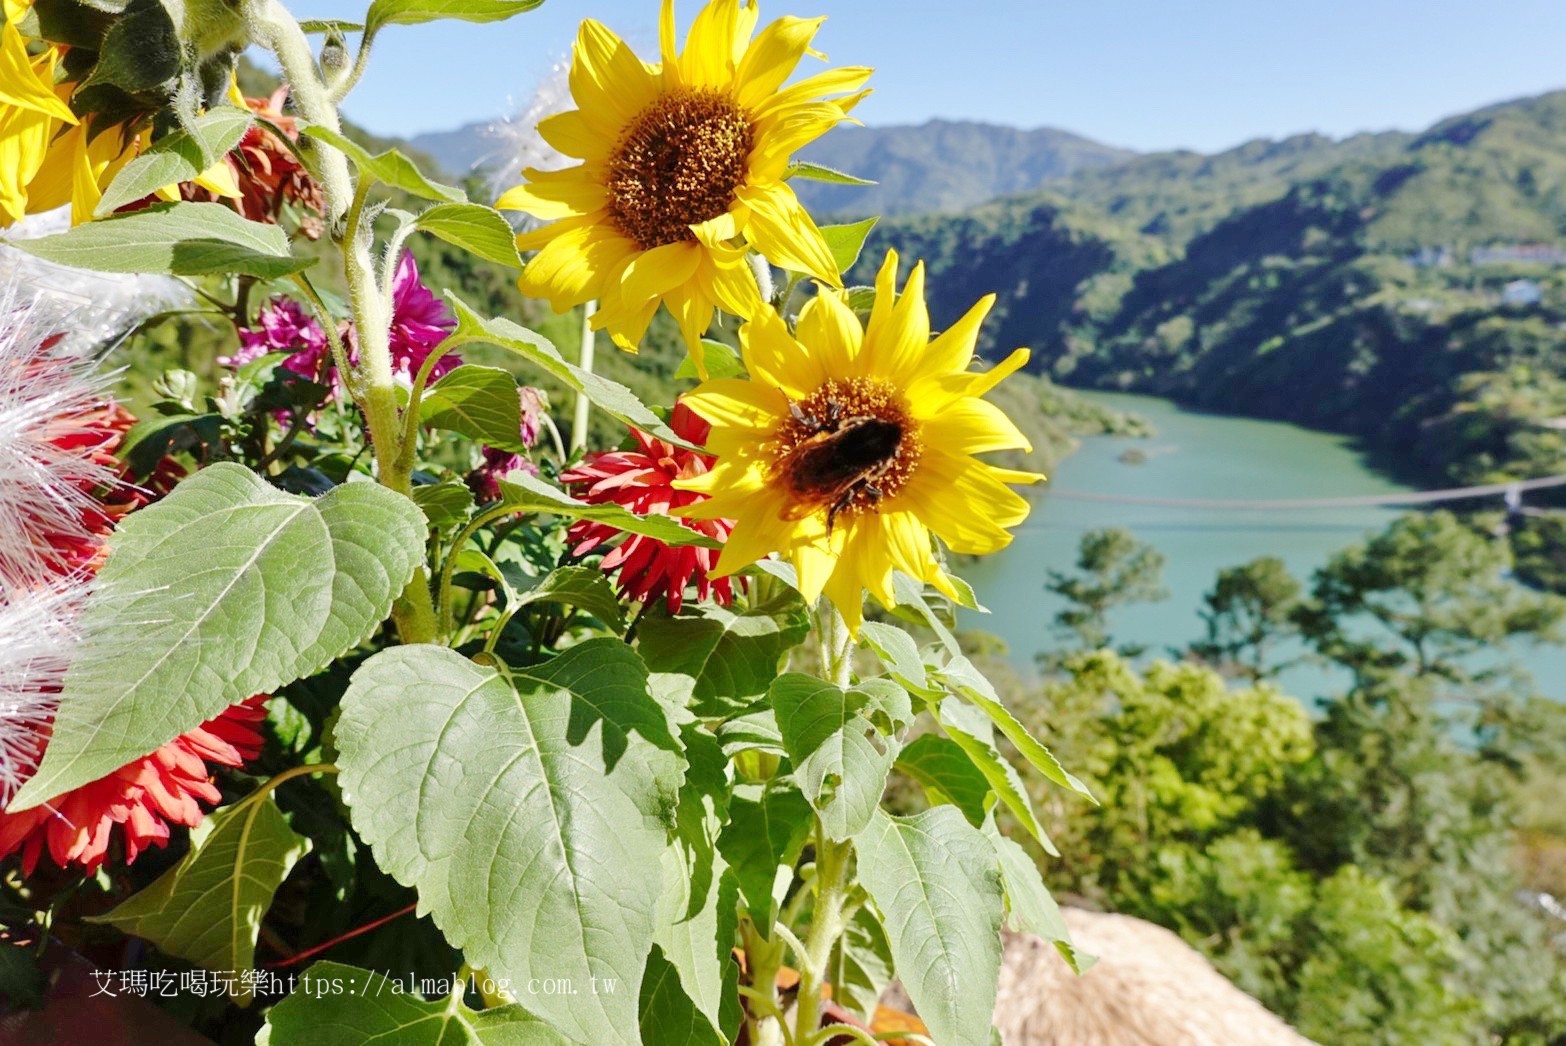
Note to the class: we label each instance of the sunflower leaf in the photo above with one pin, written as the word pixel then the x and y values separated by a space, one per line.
pixel 539 799
pixel 390 168
pixel 226 588
pixel 581 587
pixel 528 493
pixel 846 241
pixel 178 157
pixel 963 679
pixel 476 229
pixel 337 1005
pixel 816 172
pixel 208 907
pixel 412 12
pixel 933 878
pixel 173 239
pixel 1029 906
pixel 968 728
pixel 947 775
pixel 723 361
pixel 840 758
pixel 727 657
pixel 446 505
pixel 611 397
pixel 481 403
pixel 766 830
pixel 668 1013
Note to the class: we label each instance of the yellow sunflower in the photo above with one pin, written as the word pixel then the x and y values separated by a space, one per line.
pixel 851 443
pixel 682 172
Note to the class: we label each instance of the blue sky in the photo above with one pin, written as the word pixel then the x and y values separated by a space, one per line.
pixel 1149 74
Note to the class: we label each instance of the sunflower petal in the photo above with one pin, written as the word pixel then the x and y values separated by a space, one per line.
pixel 551 195
pixel 610 84
pixel 772 57
pixel 571 134
pixel 831 330
pixel 734 403
pixel 774 358
pixel 785 235
pixel 973 426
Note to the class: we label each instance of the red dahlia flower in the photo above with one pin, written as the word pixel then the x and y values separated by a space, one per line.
pixel 61 492
pixel 641 480
pixel 144 797
pixel 267 172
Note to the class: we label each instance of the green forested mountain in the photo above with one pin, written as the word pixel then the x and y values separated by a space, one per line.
pixel 945 165
pixel 1407 289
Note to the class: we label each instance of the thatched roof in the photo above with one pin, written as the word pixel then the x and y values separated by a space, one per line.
pixel 1149 988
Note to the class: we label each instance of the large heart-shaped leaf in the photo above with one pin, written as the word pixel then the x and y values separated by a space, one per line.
pixel 175 239
pixel 840 759
pixel 933 878
pixel 208 907
pixel 766 830
pixel 226 588
pixel 527 807
pixel 337 1005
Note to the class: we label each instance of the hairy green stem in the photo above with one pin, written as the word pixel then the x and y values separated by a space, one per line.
pixel 272 25
pixel 826 926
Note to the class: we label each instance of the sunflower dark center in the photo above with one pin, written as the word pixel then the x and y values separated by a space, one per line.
pixel 846 446
pixel 678 164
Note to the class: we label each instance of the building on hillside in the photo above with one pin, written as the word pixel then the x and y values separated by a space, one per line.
pixel 1518 254
pixel 1522 293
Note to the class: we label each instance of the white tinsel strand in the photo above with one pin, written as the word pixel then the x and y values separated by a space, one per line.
pixel 44 488
pixel 37 638
pixel 518 145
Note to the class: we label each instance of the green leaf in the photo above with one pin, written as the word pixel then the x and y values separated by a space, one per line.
pixel 412 12
pixel 972 733
pixel 446 505
pixel 960 675
pixel 900 654
pixel 477 229
pixel 816 172
pixel 913 606
pixel 766 830
pixel 390 168
pixel 208 907
pixel 337 1005
pixel 1029 906
pixel 943 768
pixel 860 299
pixel 933 879
pixel 611 397
pixel 581 587
pixel 668 1015
pixel 481 403
pixel 140 50
pixel 527 807
pixel 840 759
pixel 226 588
pixel 698 917
pixel 723 361
pixel 178 157
pixel 729 655
pixel 846 241
pixel 866 965
pixel 174 239
pixel 528 493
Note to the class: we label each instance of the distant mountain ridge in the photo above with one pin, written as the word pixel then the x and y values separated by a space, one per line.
pixel 945 165
pixel 939 165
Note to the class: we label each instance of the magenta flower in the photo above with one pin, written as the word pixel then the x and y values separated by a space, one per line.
pixel 496 464
pixel 420 321
pixel 283 326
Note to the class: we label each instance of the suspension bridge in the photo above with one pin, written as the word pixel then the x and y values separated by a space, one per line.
pixel 1511 492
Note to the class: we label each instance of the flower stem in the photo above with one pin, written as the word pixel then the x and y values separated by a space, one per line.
pixel 272 25
pixel 583 404
pixel 826 926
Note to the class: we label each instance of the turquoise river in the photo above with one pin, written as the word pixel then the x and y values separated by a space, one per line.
pixel 1205 456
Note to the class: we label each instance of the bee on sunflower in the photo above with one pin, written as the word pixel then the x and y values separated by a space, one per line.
pixel 683 172
pixel 850 443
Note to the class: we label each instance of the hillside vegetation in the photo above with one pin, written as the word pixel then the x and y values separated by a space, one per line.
pixel 1400 288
